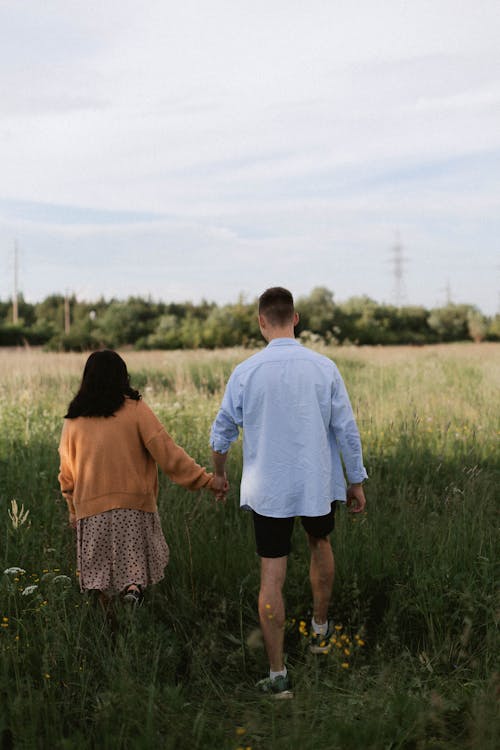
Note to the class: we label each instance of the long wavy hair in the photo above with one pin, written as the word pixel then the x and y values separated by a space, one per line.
pixel 104 387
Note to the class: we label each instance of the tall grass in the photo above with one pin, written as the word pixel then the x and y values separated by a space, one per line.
pixel 415 575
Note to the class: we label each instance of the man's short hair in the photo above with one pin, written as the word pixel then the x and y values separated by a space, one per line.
pixel 276 304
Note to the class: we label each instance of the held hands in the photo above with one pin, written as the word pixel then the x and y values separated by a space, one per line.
pixel 219 486
pixel 356 500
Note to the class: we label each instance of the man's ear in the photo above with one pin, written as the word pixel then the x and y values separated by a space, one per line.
pixel 262 321
pixel 296 319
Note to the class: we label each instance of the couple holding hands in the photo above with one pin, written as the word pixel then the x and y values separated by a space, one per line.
pixel 298 427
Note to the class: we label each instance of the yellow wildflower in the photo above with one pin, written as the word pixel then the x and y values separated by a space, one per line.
pixel 240 731
pixel 345 665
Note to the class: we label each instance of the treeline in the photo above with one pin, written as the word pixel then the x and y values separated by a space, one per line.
pixel 70 324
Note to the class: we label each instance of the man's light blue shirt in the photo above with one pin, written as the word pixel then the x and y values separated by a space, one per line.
pixel 297 423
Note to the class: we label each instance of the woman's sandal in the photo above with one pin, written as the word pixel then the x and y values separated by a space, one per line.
pixel 133 595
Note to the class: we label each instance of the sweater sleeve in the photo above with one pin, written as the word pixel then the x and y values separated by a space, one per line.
pixel 65 477
pixel 170 457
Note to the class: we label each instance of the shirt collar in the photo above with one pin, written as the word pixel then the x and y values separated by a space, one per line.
pixel 284 342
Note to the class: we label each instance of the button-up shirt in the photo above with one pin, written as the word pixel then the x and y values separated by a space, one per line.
pixel 297 423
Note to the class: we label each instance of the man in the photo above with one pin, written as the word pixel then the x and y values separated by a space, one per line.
pixel 297 423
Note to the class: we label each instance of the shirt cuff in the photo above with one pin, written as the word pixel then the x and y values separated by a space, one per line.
pixel 220 444
pixel 358 476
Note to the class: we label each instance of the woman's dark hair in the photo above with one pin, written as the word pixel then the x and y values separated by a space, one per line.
pixel 105 383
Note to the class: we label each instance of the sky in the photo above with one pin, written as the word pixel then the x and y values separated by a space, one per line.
pixel 206 150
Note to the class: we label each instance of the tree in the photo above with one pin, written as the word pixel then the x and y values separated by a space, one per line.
pixel 476 324
pixel 450 322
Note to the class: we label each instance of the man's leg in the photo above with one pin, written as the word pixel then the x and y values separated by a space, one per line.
pixel 272 608
pixel 321 573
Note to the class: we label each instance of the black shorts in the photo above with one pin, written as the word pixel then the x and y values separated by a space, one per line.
pixel 273 535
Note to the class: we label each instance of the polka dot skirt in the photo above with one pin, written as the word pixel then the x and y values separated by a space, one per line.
pixel 120 547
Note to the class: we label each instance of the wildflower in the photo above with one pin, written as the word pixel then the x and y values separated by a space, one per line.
pixel 5 619
pixel 47 676
pixel 18 516
pixel 29 590
pixel 303 628
pixel 4 625
pixel 16 638
pixel 338 627
pixel 345 665
pixel 14 571
pixel 347 652
pixel 240 731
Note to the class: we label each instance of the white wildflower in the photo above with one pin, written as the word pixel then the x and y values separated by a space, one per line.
pixel 14 571
pixel 29 590
pixel 18 516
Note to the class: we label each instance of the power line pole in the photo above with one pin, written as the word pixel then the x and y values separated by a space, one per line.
pixel 398 260
pixel 449 298
pixel 15 308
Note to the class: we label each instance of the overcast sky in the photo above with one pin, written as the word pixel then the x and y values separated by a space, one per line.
pixel 205 149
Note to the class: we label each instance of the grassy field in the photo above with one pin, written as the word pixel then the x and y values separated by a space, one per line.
pixel 414 597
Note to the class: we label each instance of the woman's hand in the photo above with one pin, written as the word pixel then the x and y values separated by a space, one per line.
pixel 72 520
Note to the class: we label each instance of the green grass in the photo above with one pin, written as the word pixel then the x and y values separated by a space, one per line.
pixel 415 575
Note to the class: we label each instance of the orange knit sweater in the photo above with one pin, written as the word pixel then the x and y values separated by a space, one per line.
pixel 110 462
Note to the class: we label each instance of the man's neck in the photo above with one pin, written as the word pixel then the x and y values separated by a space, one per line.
pixel 280 333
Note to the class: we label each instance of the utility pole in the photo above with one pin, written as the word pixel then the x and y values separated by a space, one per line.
pixel 15 309
pixel 449 299
pixel 398 260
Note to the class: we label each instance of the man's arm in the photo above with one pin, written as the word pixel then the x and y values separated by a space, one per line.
pixel 223 433
pixel 346 433
pixel 219 482
pixel 356 500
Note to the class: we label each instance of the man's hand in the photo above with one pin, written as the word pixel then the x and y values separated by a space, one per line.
pixel 72 520
pixel 356 500
pixel 219 486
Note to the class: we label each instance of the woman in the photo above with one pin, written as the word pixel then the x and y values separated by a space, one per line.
pixel 110 444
